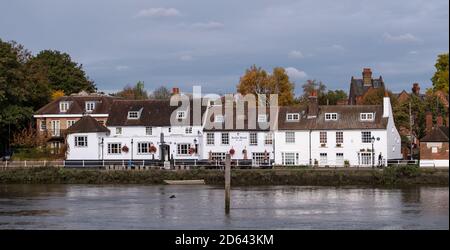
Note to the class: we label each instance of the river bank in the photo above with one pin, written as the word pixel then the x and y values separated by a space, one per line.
pixel 323 177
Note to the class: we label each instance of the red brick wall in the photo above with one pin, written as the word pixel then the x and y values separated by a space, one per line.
pixel 427 154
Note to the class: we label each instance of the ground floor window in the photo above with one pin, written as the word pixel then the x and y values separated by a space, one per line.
pixel 114 148
pixel 323 159
pixel 218 156
pixel 144 147
pixel 339 159
pixel 365 158
pixel 260 158
pixel 290 158
pixel 55 147
pixel 183 149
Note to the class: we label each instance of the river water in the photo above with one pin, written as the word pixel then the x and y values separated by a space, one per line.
pixel 202 207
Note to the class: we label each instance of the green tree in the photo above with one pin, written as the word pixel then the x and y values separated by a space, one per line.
pixel 440 78
pixel 15 91
pixel 161 93
pixel 137 92
pixel 332 97
pixel 375 97
pixel 257 81
pixel 63 73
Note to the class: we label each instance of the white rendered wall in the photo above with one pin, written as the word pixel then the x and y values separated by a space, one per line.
pixel 238 141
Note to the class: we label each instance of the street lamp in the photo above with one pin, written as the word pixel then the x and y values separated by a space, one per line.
pixel 195 143
pixel 373 150
pixel 102 143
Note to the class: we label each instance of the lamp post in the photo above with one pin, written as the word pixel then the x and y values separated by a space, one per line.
pixel 102 143
pixel 373 150
pixel 195 143
pixel 131 151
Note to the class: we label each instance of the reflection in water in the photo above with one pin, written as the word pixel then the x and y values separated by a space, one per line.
pixel 202 207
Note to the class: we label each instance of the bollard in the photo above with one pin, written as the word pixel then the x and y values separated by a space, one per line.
pixel 227 183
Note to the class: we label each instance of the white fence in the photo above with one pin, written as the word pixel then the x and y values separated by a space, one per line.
pixel 31 164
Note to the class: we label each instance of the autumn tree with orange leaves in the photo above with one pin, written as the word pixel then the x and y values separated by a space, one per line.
pixel 257 81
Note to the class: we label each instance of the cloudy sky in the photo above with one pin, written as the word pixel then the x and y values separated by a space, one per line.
pixel 211 43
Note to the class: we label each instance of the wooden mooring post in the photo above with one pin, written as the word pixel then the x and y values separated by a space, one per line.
pixel 227 183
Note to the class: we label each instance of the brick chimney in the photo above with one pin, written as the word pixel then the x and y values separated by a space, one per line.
pixel 313 105
pixel 367 77
pixel 428 122
pixel 416 89
pixel 175 91
pixel 439 121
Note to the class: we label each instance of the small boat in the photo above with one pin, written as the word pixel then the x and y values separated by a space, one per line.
pixel 184 182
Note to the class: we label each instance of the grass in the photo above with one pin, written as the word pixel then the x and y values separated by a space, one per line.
pixel 330 177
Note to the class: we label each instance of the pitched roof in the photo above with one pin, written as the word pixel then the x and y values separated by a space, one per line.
pixel 77 105
pixel 357 87
pixel 156 113
pixel 348 118
pixel 244 121
pixel 437 134
pixel 87 124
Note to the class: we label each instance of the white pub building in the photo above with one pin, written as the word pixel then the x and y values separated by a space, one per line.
pixel 342 135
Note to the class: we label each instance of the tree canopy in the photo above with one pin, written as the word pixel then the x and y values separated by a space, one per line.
pixel 63 73
pixel 137 92
pixel 440 78
pixel 257 81
pixel 161 93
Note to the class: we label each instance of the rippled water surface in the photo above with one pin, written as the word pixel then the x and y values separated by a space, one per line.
pixel 202 207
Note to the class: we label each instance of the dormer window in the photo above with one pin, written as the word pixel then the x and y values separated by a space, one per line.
pixel 367 116
pixel 63 106
pixel 331 116
pixel 133 115
pixel 181 114
pixel 292 116
pixel 90 106
pixel 262 118
pixel 218 118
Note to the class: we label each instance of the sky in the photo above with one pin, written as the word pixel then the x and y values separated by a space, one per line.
pixel 181 43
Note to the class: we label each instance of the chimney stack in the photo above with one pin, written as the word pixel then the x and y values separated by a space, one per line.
pixel 313 104
pixel 175 91
pixel 367 77
pixel 428 121
pixel 439 121
pixel 416 89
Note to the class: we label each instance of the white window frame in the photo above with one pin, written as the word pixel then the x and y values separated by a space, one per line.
pixel 142 146
pixel 225 138
pixel 133 115
pixel 210 140
pixel 81 143
pixel 188 130
pixel 116 150
pixel 148 130
pixel 268 138
pixel 119 130
pixel 253 139
pixel 367 116
pixel 323 159
pixel 290 158
pixel 292 117
pixel 366 137
pixel 64 106
pixel 289 139
pixel 183 148
pixel 43 125
pixel 339 137
pixel 90 106
pixel 331 116
pixel 323 137
pixel 70 123
pixel 218 156
pixel 340 159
